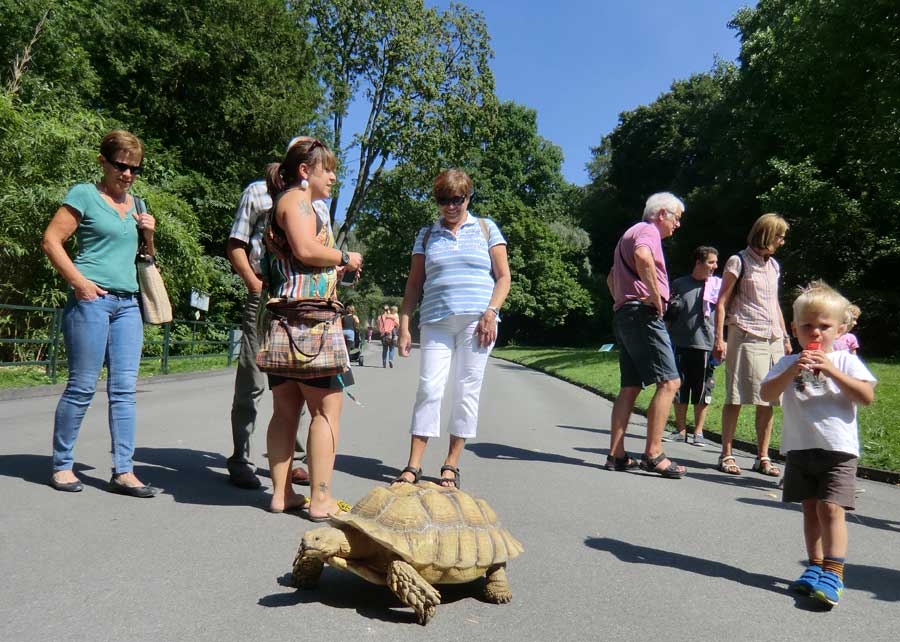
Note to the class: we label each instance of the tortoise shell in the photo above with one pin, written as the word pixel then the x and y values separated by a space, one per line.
pixel 438 529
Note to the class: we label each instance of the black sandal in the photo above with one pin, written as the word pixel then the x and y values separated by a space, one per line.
pixel 416 473
pixel 620 464
pixel 650 465
pixel 447 480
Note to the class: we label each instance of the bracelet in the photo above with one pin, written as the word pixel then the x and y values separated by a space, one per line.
pixel 495 310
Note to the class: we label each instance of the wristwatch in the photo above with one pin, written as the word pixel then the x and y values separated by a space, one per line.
pixel 495 310
pixel 345 258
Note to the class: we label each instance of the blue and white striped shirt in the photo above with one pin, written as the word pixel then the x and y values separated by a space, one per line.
pixel 458 276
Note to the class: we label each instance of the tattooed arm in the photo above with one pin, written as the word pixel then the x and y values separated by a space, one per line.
pixel 297 218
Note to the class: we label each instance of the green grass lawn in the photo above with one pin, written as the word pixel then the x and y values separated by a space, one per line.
pixel 879 438
pixel 24 376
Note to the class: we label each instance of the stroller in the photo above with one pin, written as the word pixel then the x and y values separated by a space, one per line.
pixel 355 349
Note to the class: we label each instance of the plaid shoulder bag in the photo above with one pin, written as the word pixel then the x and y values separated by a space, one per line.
pixel 303 339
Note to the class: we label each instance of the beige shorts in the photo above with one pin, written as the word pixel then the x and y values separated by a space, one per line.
pixel 748 360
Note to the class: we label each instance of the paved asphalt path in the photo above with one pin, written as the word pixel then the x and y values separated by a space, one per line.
pixel 620 556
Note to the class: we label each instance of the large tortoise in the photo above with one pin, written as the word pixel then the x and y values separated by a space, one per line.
pixel 409 537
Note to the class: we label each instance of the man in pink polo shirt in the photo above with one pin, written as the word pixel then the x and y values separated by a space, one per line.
pixel 639 284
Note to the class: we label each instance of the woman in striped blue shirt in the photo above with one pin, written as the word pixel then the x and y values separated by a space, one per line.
pixel 460 271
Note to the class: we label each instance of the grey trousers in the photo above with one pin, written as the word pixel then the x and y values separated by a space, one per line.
pixel 249 386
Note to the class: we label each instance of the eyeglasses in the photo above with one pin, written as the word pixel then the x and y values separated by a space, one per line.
pixel 453 200
pixel 123 167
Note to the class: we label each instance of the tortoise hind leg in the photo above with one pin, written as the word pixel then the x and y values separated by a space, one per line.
pixel 413 590
pixel 496 586
pixel 307 570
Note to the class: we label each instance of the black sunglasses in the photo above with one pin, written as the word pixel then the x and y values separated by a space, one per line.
pixel 122 167
pixel 453 200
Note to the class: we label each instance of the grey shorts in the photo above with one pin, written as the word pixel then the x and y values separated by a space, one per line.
pixel 820 474
pixel 645 350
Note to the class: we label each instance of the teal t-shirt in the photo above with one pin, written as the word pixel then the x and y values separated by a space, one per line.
pixel 107 244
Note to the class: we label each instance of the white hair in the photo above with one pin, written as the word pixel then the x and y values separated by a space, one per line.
pixel 662 201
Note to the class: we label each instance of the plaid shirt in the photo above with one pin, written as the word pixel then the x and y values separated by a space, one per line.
pixel 250 219
pixel 753 306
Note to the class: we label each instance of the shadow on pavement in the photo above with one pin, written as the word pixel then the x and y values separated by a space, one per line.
pixel 347 591
pixel 502 451
pixel 602 431
pixel 853 517
pixel 365 468
pixel 633 554
pixel 187 476
pixel 36 469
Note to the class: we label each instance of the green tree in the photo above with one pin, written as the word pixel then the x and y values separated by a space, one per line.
pixel 519 184
pixel 423 74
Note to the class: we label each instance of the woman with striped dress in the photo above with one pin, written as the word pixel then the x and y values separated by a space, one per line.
pixel 301 261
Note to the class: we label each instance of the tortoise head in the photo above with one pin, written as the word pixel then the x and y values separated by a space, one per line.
pixel 325 542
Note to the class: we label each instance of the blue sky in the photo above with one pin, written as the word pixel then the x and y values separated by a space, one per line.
pixel 581 63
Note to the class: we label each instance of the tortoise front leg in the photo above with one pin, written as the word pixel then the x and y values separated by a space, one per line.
pixel 307 570
pixel 496 587
pixel 413 590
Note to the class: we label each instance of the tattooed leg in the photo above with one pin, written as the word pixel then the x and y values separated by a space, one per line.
pixel 325 411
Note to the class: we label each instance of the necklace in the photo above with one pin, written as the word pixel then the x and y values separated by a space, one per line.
pixel 117 200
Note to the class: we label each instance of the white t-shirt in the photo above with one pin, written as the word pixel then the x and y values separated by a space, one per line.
pixel 820 415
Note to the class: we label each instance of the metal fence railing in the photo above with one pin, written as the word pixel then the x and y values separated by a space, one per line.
pixel 26 342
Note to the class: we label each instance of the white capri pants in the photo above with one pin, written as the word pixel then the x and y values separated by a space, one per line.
pixel 450 339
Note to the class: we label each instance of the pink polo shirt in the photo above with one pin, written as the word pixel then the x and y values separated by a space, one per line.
pixel 627 285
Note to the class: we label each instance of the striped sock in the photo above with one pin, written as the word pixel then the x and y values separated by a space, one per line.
pixel 835 565
pixel 815 562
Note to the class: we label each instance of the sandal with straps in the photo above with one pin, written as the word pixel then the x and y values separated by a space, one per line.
pixel 620 464
pixel 764 466
pixel 669 472
pixel 447 481
pixel 400 479
pixel 728 465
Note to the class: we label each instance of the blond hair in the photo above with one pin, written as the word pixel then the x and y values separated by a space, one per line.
pixel 851 316
pixel 766 230
pixel 818 296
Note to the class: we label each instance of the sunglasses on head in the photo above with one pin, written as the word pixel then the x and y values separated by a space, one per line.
pixel 451 200
pixel 122 167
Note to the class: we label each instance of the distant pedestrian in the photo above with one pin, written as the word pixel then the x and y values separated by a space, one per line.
pixel 757 338
pixel 822 389
pixel 387 330
pixel 639 284
pixel 693 332
pixel 848 340
pixel 101 322
pixel 460 271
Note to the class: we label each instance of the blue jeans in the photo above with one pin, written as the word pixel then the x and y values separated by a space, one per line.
pixel 387 353
pixel 110 329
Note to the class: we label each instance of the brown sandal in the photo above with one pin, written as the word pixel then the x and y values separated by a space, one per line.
pixel 728 465
pixel 764 466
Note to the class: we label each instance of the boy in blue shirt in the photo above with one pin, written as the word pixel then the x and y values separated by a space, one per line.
pixel 822 389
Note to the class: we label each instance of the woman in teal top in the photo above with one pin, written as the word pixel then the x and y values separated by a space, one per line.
pixel 101 320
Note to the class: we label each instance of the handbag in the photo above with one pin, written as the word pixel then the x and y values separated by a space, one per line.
pixel 156 309
pixel 303 339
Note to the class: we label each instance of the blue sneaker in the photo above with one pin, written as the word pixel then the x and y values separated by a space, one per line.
pixel 806 583
pixel 829 588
